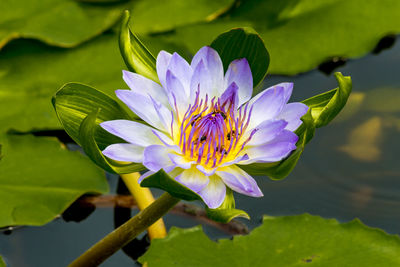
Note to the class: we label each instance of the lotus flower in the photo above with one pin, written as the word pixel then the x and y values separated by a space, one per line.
pixel 199 124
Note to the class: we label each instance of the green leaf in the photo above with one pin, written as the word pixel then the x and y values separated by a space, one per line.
pixel 25 94
pixel 326 106
pixel 136 56
pixel 62 23
pixel 74 101
pixel 163 181
pixel 160 16
pixel 226 212
pixel 2 263
pixel 243 43
pixel 302 240
pixel 301 34
pixel 87 139
pixel 40 178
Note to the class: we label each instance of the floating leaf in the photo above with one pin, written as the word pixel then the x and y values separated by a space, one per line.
pixel 326 106
pixel 2 263
pixel 62 23
pixel 280 241
pixel 226 212
pixel 136 56
pixel 31 73
pixel 302 34
pixel 87 138
pixel 163 181
pixel 151 15
pixel 39 179
pixel 243 43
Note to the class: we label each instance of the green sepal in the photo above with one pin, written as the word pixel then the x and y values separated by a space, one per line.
pixel 136 56
pixel 280 170
pixel 87 137
pixel 226 212
pixel 74 101
pixel 243 43
pixel 326 106
pixel 163 181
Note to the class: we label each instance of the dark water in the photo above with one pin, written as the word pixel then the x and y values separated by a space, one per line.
pixel 349 170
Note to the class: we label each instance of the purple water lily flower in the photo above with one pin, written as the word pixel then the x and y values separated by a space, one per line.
pixel 201 124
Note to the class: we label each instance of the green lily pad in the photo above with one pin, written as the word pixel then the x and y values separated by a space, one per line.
pixel 299 35
pixel 64 23
pixel 280 241
pixel 2 263
pixel 31 73
pixel 39 179
pixel 158 16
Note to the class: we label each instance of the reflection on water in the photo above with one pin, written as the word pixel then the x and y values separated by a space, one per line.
pixel 350 169
pixel 364 140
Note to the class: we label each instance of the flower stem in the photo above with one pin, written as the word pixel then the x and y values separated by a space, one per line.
pixel 126 232
pixel 144 198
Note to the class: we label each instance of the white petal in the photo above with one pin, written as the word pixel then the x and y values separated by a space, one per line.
pixel 163 60
pixel 201 81
pixel 193 179
pixel 240 73
pixel 276 150
pixel 132 132
pixel 292 113
pixel 176 93
pixel 124 152
pixel 143 106
pixel 146 87
pixel 145 175
pixel 213 63
pixel 266 131
pixel 156 157
pixel 214 193
pixel 180 161
pixel 205 170
pixel 182 70
pixel 266 105
pixel 239 181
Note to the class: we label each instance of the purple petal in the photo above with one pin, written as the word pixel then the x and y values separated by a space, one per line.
pixel 144 86
pixel 155 158
pixel 288 89
pixel 239 72
pixel 230 96
pixel 193 179
pixel 206 171
pixel 266 105
pixel 213 63
pixel 239 181
pixel 180 161
pixel 144 176
pixel 292 113
pixel 276 150
pixel 124 152
pixel 176 93
pixel 132 132
pixel 143 106
pixel 214 193
pixel 201 80
pixel 163 60
pixel 182 70
pixel 236 160
pixel 266 131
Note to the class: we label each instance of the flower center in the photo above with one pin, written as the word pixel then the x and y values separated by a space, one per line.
pixel 210 133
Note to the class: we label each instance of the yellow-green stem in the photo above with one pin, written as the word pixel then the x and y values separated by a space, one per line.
pixel 144 198
pixel 126 232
